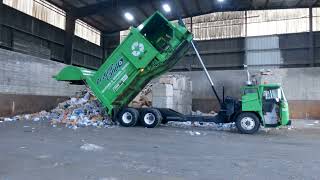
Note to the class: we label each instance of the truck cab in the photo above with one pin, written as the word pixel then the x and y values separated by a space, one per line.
pixel 263 104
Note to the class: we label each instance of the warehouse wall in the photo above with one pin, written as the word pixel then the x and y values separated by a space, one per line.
pixel 26 84
pixel 301 86
pixel 23 33
pixel 286 50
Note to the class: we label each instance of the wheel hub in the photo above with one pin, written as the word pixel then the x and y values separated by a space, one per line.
pixel 149 118
pixel 127 117
pixel 247 123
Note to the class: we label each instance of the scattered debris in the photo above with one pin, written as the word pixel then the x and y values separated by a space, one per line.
pixel 91 147
pixel 8 119
pixel 44 156
pixel 206 125
pixel 199 113
pixel 108 178
pixel 193 133
pixel 290 128
pixel 80 111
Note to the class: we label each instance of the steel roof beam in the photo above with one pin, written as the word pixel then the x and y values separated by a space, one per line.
pixel 64 5
pixel 266 4
pixel 184 8
pixel 107 6
pixel 198 5
pixel 68 39
pixel 145 14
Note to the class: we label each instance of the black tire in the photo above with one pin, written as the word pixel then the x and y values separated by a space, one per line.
pixel 128 117
pixel 151 118
pixel 247 123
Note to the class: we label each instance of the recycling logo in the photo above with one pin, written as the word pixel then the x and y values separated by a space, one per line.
pixel 137 49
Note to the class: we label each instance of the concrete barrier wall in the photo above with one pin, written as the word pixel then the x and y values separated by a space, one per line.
pixel 26 83
pixel 301 85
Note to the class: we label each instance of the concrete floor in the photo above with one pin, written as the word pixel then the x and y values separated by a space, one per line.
pixel 33 150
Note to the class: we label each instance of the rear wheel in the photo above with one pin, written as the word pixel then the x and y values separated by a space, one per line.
pixel 151 118
pixel 248 123
pixel 128 117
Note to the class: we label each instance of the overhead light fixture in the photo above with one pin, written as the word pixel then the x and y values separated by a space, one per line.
pixel 166 8
pixel 128 16
pixel 220 1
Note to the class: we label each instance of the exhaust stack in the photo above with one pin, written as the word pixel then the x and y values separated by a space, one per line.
pixel 248 82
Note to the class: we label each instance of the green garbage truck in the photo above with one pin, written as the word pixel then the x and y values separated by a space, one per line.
pixel 152 49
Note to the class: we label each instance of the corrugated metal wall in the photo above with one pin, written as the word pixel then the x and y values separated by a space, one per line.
pixel 28 35
pixel 284 50
pixel 49 13
pixel 55 16
pixel 218 25
pixel 263 51
pixel 25 6
pixel 272 22
pixel 316 19
pixel 85 31
pixel 259 23
pixel 223 25
pixel 217 54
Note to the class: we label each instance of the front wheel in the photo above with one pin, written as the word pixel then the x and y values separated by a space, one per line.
pixel 248 123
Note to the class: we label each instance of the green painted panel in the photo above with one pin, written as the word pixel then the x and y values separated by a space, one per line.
pixel 251 101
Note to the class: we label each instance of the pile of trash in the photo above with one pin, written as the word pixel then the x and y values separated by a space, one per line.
pixel 85 110
pixel 80 111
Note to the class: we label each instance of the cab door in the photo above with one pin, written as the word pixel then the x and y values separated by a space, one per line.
pixel 284 110
pixel 250 100
pixel 271 107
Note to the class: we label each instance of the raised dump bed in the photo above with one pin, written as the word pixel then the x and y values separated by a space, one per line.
pixel 149 51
